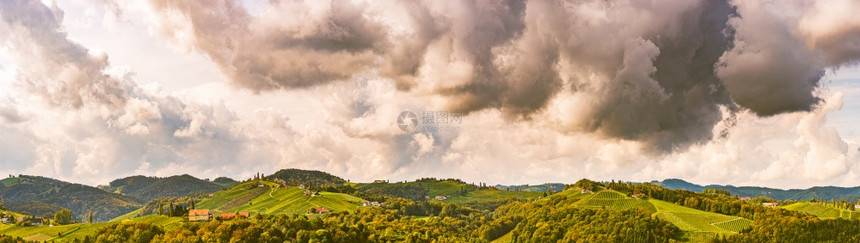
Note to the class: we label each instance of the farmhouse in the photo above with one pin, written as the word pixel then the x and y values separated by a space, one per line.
pixel 744 198
pixel 770 204
pixel 199 215
pixel 321 210
pixel 6 220
pixel 302 186
pixel 639 195
pixel 441 197
pixel 226 216
pixel 380 181
pixel 584 191
pixel 372 204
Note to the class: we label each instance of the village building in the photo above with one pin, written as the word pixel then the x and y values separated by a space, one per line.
pixel 584 191
pixel 302 186
pixel 199 215
pixel 226 216
pixel 744 198
pixel 6 220
pixel 380 181
pixel 770 204
pixel 322 210
pixel 372 204
pixel 441 197
pixel 639 195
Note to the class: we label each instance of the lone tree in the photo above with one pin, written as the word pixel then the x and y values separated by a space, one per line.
pixel 91 217
pixel 63 217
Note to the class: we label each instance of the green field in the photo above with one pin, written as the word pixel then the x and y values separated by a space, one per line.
pixel 272 200
pixel 78 231
pixel 822 211
pixel 612 200
pixel 10 181
pixel 699 224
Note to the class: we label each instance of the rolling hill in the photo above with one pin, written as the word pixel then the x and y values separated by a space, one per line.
pixel 146 189
pixel 460 192
pixel 311 178
pixel 822 210
pixel 697 225
pixel 32 194
pixel 851 194
pixel 267 197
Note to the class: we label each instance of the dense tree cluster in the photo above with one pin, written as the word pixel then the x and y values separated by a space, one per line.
pixel 10 239
pixel 126 232
pixel 63 217
pixel 559 220
pixel 779 226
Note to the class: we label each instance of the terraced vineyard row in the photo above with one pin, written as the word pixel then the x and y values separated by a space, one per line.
pixel 250 195
pixel 735 225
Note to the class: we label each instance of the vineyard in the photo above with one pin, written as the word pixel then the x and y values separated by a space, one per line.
pixel 698 223
pixel 822 211
pixel 734 225
pixel 247 197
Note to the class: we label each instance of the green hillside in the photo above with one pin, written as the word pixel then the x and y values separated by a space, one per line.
pixel 460 192
pixel 311 178
pixel 614 200
pixel 146 189
pixel 78 231
pixel 225 182
pixel 822 210
pixel 698 223
pixel 38 195
pixel 271 199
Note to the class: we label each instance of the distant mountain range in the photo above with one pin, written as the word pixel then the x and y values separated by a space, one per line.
pixel 851 194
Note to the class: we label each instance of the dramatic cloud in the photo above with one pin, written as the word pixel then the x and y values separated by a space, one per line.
pixel 649 71
pixel 548 89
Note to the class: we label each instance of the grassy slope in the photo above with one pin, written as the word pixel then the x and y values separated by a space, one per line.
pixel 822 211
pixel 73 231
pixel 698 223
pixel 10 181
pixel 129 215
pixel 290 200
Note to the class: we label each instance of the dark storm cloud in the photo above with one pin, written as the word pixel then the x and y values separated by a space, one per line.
pixel 660 72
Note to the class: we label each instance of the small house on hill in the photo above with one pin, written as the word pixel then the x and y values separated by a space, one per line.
pixel 441 197
pixel 770 204
pixel 244 215
pixel 584 191
pixel 321 210
pixel 6 220
pixel 639 195
pixel 226 216
pixel 744 198
pixel 199 215
pixel 380 181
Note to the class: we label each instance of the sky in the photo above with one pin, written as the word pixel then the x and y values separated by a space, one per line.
pixel 741 92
